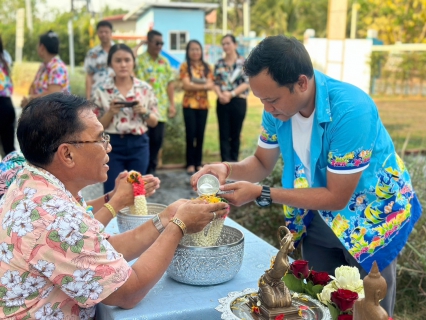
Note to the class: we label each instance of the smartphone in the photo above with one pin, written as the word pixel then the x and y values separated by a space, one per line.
pixel 127 104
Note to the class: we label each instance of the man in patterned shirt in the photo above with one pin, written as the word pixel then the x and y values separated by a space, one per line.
pixel 95 63
pixel 56 261
pixel 153 68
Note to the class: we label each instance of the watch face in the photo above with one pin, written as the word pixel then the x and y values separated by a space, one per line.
pixel 263 202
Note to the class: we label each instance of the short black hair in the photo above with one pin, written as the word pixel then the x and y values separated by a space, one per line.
pixel 103 23
pixel 152 33
pixel 50 41
pixel 115 48
pixel 48 121
pixel 285 59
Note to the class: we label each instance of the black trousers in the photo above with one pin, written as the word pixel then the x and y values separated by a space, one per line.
pixel 7 124
pixel 195 125
pixel 230 118
pixel 156 136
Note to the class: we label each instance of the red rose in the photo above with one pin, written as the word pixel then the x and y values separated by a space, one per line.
pixel 344 299
pixel 321 278
pixel 345 317
pixel 300 269
pixel 279 317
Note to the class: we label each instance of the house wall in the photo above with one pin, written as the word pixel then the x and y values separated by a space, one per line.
pixel 183 20
pixel 124 26
pixel 145 22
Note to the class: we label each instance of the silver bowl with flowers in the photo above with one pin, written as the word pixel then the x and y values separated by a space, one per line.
pixel 213 255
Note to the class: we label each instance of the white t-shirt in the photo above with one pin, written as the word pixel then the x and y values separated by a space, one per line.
pixel 302 133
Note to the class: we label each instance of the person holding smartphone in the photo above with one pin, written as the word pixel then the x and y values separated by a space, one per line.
pixel 126 106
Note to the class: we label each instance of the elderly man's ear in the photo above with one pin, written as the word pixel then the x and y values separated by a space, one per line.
pixel 65 156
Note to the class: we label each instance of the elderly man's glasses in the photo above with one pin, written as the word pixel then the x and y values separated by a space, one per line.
pixel 105 139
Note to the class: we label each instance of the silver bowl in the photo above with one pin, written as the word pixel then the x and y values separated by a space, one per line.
pixel 208 265
pixel 127 221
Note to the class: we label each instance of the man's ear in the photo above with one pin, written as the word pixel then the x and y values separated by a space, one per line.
pixel 302 83
pixel 65 155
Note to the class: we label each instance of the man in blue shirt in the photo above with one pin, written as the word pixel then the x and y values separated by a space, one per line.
pixel 345 192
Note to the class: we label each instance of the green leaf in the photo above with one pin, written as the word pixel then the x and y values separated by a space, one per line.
pixel 317 289
pixel 11 247
pixel 293 283
pixel 15 204
pixel 83 227
pixel 65 246
pixel 9 230
pixel 2 303
pixel 54 236
pixel 103 250
pixel 67 279
pixel 34 215
pixel 55 306
pixel 333 311
pixel 9 310
pixel 46 198
pixel 81 299
pixel 24 276
pixel 78 246
pixel 32 295
pixel 3 291
pixel 25 177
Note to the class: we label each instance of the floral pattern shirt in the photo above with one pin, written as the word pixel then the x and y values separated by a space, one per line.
pixel 6 86
pixel 195 99
pixel 228 78
pixel 95 64
pixel 158 73
pixel 52 73
pixel 125 121
pixel 9 167
pixel 347 137
pixel 55 260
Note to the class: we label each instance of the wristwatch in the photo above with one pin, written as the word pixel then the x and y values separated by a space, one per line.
pixel 265 197
pixel 157 223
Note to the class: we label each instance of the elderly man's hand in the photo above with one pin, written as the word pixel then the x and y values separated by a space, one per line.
pixel 151 184
pixel 196 214
pixel 123 191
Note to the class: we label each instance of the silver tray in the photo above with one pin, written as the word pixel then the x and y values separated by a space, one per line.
pixel 233 307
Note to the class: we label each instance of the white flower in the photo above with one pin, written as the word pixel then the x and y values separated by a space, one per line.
pixel 94 289
pixel 23 209
pixel 46 292
pixel 87 313
pixel 5 254
pixel 8 219
pixel 69 231
pixel 325 295
pixel 35 283
pixel 348 278
pixel 85 275
pixel 22 226
pixel 29 192
pixel 10 279
pixel 54 206
pixel 76 289
pixel 47 313
pixel 44 267
pixel 112 254
pixel 16 296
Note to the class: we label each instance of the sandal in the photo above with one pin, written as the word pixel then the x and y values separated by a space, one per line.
pixel 190 170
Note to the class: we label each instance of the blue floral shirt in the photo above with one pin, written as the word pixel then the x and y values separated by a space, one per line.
pixel 347 137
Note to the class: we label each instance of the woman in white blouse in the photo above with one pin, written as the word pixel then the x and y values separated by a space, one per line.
pixel 126 106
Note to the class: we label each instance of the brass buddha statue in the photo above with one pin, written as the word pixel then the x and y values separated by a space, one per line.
pixel 272 290
pixel 375 289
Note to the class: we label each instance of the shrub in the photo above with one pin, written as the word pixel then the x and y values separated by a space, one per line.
pixel 174 139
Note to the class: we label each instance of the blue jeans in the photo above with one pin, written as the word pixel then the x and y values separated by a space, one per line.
pixel 129 152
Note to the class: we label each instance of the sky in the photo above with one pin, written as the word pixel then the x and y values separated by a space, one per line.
pixel 96 4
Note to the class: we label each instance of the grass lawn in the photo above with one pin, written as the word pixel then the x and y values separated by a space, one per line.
pixel 403 118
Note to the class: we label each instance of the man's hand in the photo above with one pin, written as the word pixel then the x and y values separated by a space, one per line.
pixel 151 184
pixel 196 214
pixel 219 170
pixel 123 192
pixel 243 192
pixel 170 211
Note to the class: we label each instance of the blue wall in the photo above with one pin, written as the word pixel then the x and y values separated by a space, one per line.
pixel 165 20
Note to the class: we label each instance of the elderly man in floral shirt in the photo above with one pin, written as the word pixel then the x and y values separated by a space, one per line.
pixel 56 261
